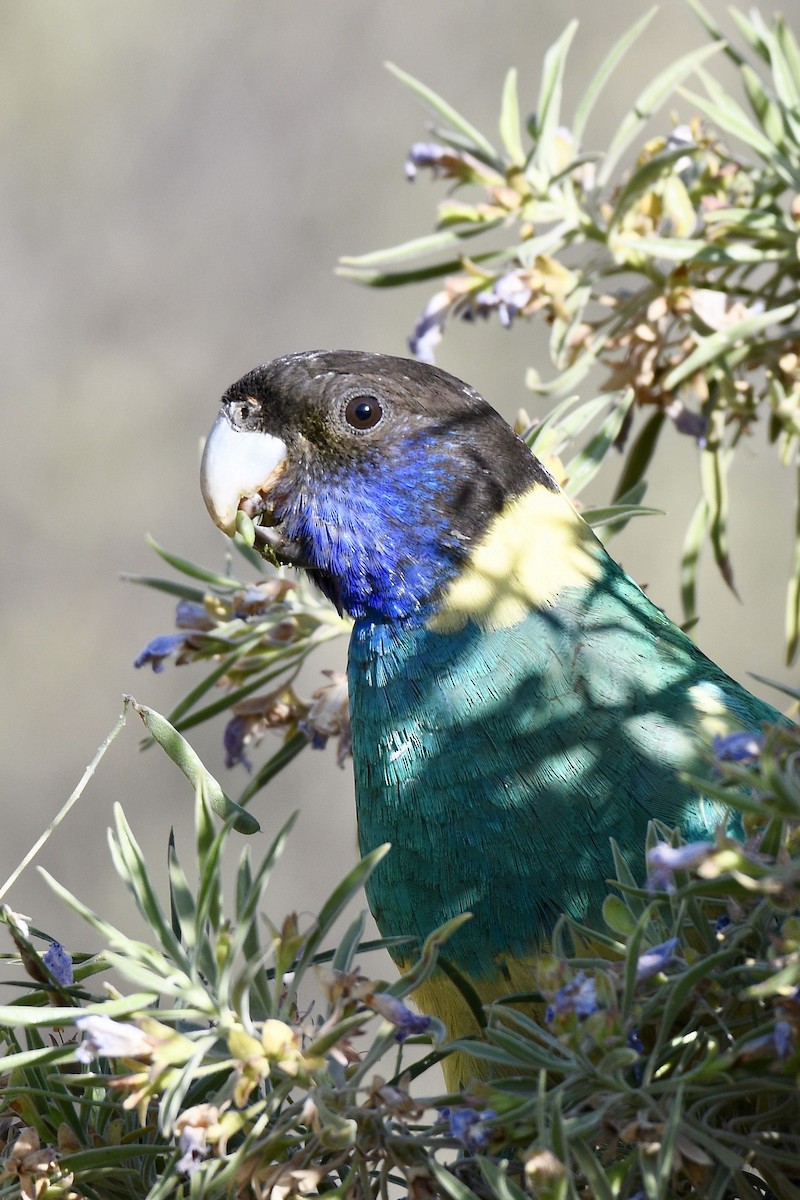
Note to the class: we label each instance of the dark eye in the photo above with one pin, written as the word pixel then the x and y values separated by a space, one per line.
pixel 242 411
pixel 363 412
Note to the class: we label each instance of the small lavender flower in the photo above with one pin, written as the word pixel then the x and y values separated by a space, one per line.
pixel 743 746
pixel 655 959
pixel 194 1147
pixel 663 860
pixel 721 924
pixel 509 294
pixel 236 735
pixel 578 996
pixel 441 160
pixel 428 329
pixel 160 648
pixel 59 964
pixel 783 1038
pixel 329 716
pixel 422 154
pixel 408 1023
pixel 469 1126
pixel 112 1039
pixel 635 1043
pixel 191 615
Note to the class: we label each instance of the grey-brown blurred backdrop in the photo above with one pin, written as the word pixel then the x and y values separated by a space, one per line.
pixel 177 182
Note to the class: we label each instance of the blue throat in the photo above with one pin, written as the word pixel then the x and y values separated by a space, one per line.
pixel 381 545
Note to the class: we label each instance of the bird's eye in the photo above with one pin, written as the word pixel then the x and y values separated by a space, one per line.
pixel 363 412
pixel 241 412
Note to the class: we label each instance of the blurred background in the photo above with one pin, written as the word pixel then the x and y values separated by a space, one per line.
pixel 177 183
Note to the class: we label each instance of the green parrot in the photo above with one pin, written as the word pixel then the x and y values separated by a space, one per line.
pixel 516 700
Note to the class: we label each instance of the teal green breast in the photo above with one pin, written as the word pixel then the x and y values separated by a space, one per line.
pixel 499 761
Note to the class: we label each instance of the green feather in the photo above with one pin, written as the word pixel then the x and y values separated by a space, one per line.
pixel 499 762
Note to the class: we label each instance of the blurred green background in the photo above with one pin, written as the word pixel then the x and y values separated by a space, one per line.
pixel 177 182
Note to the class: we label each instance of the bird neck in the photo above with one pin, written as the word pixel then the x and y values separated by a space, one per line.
pixel 534 550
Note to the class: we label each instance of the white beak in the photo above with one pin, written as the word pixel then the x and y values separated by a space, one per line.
pixel 236 464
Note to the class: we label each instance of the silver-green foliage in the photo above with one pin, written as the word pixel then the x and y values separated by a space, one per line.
pixel 678 275
pixel 233 1055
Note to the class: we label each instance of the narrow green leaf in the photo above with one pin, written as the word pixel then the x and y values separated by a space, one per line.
pixel 561 426
pixel 731 117
pixel 501 1187
pixel 211 680
pixel 188 568
pixel 429 244
pixel 510 133
pixel 350 944
pixel 606 71
pixel 449 1184
pixel 132 869
pixel 182 906
pixel 690 556
pixel 330 912
pixel 280 759
pixel 585 465
pixel 552 241
pixel 642 180
pixel 617 514
pixel 248 910
pixel 595 1175
pixel 286 658
pixel 181 590
pixel 30 1017
pixel 793 589
pixel 388 279
pixel 714 465
pixel 189 763
pixel 479 144
pixel 640 455
pixel 548 106
pixel 714 30
pixel 790 48
pixel 673 249
pixel 766 111
pixel 647 104
pixel 715 345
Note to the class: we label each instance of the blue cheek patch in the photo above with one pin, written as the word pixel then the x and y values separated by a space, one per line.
pixel 378 537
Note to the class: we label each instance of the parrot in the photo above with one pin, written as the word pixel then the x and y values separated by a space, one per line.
pixel 516 700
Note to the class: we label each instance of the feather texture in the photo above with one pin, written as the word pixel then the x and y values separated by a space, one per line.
pixel 516 700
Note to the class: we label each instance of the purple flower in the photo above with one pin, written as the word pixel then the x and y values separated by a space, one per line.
pixel 688 422
pixel 783 1038
pixel 113 1039
pixel 191 615
pixel 59 964
pixel 329 716
pixel 194 1148
pixel 578 996
pixel 634 1041
pixel 441 160
pixel 162 647
pixel 655 959
pixel 743 746
pixel 236 735
pixel 408 1023
pixel 663 860
pixel 423 154
pixel 428 329
pixel 509 294
pixel 469 1126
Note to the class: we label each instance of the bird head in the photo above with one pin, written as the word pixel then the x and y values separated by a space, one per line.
pixel 376 474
